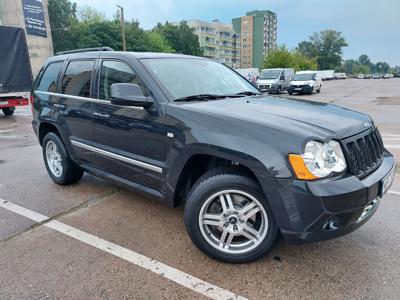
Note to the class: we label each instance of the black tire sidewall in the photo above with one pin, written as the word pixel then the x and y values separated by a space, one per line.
pixel 211 186
pixel 69 168
pixel 8 111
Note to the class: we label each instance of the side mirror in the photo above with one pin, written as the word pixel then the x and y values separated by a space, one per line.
pixel 129 94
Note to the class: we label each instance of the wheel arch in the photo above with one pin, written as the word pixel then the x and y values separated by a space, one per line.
pixel 189 166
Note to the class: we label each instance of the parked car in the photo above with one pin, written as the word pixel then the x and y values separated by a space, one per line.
pixel 275 80
pixel 367 76
pixel 377 76
pixel 326 74
pixel 245 165
pixel 360 76
pixel 387 76
pixel 305 82
pixel 340 76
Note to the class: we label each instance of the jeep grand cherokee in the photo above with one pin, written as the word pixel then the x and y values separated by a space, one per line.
pixel 190 130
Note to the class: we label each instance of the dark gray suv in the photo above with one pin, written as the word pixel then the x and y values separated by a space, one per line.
pixel 190 130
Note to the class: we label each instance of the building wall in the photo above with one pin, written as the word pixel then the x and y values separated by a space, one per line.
pixel 218 41
pixel 263 33
pixel 40 48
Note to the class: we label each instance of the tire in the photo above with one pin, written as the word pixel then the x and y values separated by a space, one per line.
pixel 68 172
pixel 221 182
pixel 8 111
pixel 290 93
pixel 279 90
pixel 319 90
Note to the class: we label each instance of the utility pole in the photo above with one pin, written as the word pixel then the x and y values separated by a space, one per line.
pixel 122 27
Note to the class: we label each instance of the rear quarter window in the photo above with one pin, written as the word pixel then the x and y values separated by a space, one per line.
pixel 48 81
pixel 77 78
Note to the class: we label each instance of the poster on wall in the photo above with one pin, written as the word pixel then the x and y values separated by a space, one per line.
pixel 34 17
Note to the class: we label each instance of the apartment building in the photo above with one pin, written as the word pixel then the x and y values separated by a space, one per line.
pixel 258 33
pixel 218 41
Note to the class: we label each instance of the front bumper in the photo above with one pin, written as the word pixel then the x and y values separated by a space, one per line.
pixel 300 89
pixel 318 210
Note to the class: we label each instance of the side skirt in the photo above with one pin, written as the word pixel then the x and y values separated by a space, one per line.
pixel 136 187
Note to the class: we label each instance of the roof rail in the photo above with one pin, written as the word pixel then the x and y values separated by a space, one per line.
pixel 85 50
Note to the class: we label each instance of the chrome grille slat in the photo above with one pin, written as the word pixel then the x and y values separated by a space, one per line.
pixel 364 152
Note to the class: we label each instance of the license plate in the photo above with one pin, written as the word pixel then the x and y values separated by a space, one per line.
pixel 387 182
pixel 3 102
pixel 297 89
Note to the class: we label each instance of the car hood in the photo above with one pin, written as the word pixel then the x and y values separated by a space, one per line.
pixel 304 82
pixel 297 117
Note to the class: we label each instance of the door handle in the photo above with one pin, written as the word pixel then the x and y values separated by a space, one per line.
pixel 100 115
pixel 62 106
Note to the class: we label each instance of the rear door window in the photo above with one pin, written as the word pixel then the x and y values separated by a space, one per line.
pixel 48 82
pixel 77 78
pixel 116 72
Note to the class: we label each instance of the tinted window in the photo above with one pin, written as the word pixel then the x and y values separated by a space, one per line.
pixel 77 78
pixel 116 72
pixel 48 82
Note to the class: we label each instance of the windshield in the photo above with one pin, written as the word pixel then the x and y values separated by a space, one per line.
pixel 184 77
pixel 270 74
pixel 303 77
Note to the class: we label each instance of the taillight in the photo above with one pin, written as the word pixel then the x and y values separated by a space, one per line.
pixel 31 100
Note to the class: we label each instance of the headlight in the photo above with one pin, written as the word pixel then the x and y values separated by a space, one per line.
pixel 318 161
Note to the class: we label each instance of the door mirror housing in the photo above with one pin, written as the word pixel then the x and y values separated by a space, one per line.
pixel 129 94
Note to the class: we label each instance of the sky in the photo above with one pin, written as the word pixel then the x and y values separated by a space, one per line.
pixel 370 27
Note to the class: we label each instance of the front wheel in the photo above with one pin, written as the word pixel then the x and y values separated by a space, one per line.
pixel 8 111
pixel 319 90
pixel 228 217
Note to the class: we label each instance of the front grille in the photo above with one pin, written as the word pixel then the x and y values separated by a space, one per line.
pixel 364 152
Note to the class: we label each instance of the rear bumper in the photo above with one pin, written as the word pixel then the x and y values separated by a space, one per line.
pixel 328 208
pixel 8 102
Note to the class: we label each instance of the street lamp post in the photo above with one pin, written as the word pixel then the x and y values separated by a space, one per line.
pixel 122 27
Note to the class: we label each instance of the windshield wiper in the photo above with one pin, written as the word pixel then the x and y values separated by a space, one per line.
pixel 205 97
pixel 199 97
pixel 248 93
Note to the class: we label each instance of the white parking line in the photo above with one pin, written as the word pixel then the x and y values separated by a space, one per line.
pixel 394 193
pixel 182 278
pixel 390 135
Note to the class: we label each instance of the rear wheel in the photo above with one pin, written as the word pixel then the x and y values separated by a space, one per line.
pixel 228 218
pixel 60 167
pixel 8 111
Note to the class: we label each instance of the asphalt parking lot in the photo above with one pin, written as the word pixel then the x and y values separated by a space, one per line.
pixel 95 240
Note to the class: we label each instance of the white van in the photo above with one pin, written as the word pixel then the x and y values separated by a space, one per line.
pixel 275 80
pixel 305 82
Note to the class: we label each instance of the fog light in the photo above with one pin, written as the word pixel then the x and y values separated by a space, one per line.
pixel 368 209
pixel 331 224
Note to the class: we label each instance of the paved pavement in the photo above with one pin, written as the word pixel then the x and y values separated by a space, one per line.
pixel 94 240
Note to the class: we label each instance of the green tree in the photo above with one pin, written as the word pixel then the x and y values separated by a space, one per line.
pixel 278 58
pixel 349 65
pixel 181 37
pixel 302 62
pixel 326 48
pixel 62 15
pixel 283 58
pixel 157 43
pixel 90 15
pixel 361 69
pixel 364 60
pixel 382 67
pixel 307 49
